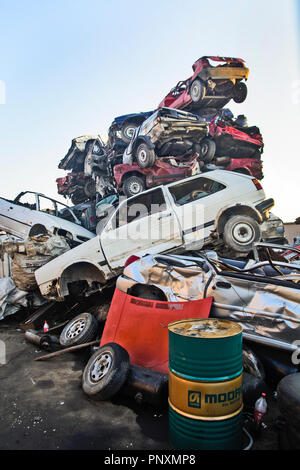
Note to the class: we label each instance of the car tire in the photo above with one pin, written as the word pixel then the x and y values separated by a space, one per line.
pixel 127 131
pixel 240 92
pixel 288 396
pixel 82 329
pixel 197 91
pixel 133 185
pixel 207 150
pixel 240 232
pixel 106 372
pixel 145 156
pixel 147 293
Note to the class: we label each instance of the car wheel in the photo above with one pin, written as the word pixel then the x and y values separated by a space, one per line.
pixel 240 92
pixel 37 229
pixel 288 395
pixel 145 157
pixel 207 150
pixel 147 293
pixel 90 188
pixel 133 185
pixel 240 232
pixel 106 371
pixel 197 91
pixel 127 131
pixel 82 329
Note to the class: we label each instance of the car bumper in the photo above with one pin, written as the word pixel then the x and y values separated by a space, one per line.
pixel 272 228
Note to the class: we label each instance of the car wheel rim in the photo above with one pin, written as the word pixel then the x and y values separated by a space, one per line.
pixel 195 92
pixel 243 233
pixel 129 131
pixel 204 150
pixel 75 328
pixel 135 188
pixel 100 367
pixel 142 156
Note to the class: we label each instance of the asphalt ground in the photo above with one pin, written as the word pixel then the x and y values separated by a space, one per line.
pixel 43 407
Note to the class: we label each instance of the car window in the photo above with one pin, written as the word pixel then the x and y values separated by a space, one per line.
pixel 194 190
pixel 140 206
pixel 46 205
pixel 28 200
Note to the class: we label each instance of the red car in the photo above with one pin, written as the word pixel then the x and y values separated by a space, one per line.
pixel 79 187
pixel 247 166
pixel 210 85
pixel 235 141
pixel 133 179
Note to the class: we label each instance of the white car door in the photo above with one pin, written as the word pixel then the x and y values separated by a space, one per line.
pixel 142 224
pixel 18 218
pixel 196 203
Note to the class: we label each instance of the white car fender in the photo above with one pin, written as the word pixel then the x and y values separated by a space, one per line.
pixel 251 206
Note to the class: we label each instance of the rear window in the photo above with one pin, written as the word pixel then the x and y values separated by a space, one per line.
pixel 193 190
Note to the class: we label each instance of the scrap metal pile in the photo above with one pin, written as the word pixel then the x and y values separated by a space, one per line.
pixel 169 221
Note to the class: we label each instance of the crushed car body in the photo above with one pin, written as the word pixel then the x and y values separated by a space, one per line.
pixel 210 85
pixel 122 128
pixel 33 213
pixel 263 296
pixel 132 179
pixel 167 132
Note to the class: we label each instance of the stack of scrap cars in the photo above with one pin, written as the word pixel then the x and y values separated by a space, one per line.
pixel 170 209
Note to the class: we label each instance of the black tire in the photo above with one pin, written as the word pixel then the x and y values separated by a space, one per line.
pixel 82 329
pixel 147 292
pixel 127 131
pixel 240 92
pixel 133 185
pixel 37 229
pixel 207 150
pixel 106 372
pixel 240 232
pixel 197 91
pixel 145 156
pixel 288 396
pixel 89 188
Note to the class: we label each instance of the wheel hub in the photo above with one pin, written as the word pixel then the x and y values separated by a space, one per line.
pixel 129 132
pixel 142 155
pixel 243 233
pixel 195 92
pixel 100 367
pixel 134 188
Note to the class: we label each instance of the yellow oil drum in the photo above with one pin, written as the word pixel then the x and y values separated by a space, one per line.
pixel 206 399
pixel 205 384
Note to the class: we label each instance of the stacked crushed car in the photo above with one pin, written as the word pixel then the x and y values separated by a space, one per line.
pixel 190 132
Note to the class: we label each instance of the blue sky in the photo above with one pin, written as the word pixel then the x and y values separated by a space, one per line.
pixel 71 66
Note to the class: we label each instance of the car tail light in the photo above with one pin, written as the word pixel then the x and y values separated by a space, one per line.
pixel 131 260
pixel 92 220
pixel 257 184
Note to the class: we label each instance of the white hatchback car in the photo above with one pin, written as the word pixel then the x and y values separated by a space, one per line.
pixel 32 213
pixel 215 208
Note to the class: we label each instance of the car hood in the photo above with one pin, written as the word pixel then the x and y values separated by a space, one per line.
pixel 268 310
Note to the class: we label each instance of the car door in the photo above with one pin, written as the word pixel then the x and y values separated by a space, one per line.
pixel 19 214
pixel 142 224
pixel 196 203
